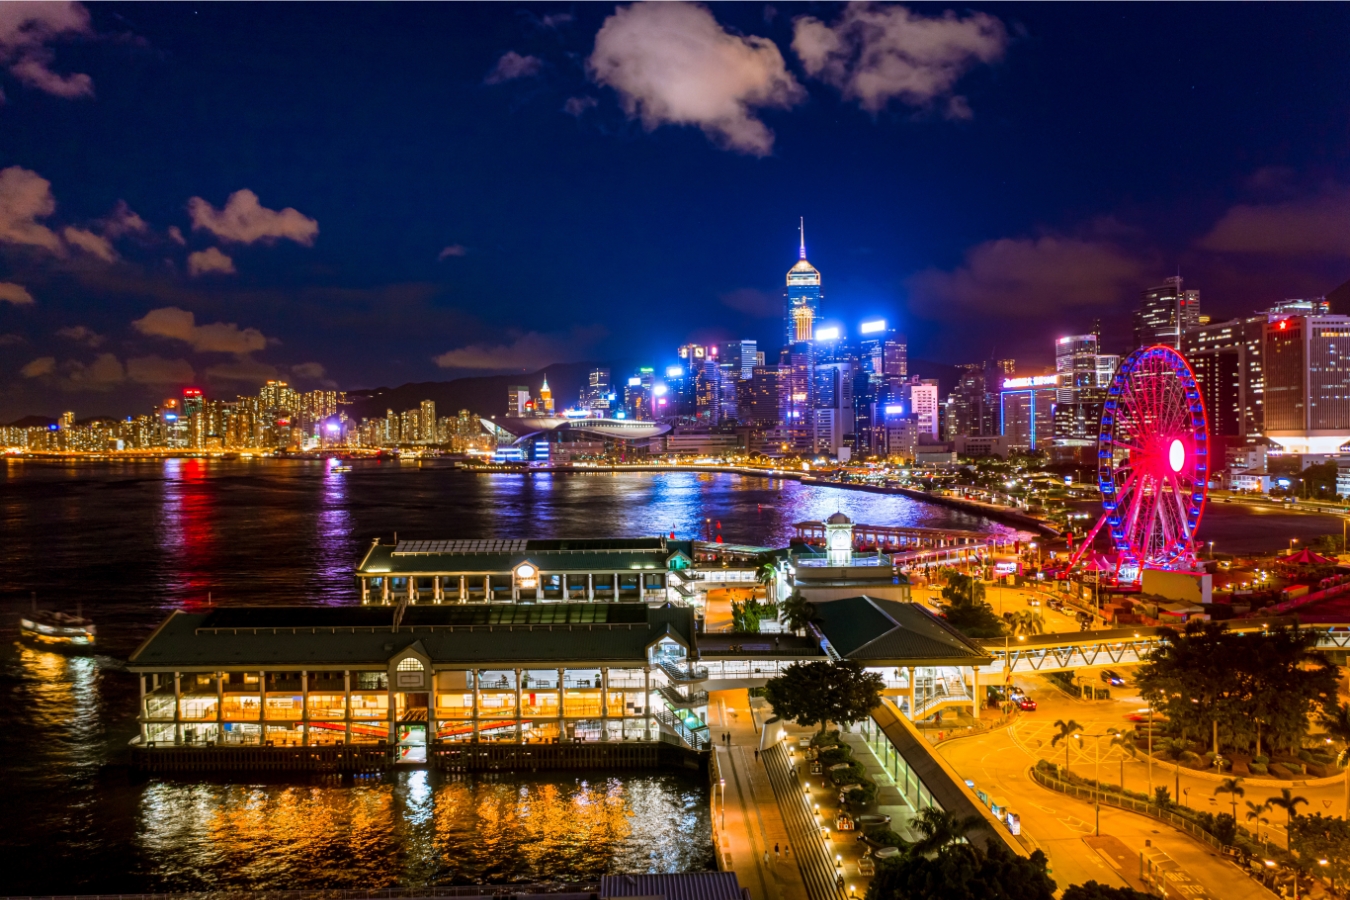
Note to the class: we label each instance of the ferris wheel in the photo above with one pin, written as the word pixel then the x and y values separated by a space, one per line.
pixel 1153 463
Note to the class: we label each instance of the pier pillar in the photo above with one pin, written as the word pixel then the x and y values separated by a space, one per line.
pixel 590 586
pixel 975 689
pixel 604 704
pixel 304 708
pixel 347 705
pixel 519 727
pixel 913 697
pixel 437 594
pixel 384 589
pixel 463 588
pixel 365 591
pixel 487 593
pixel 432 725
pixel 473 675
pixel 393 712
pixel 177 708
pixel 220 707
pixel 562 705
pixel 647 703
pixel 564 587
pixel 140 713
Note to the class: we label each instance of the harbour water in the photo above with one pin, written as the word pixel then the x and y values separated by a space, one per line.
pixel 132 540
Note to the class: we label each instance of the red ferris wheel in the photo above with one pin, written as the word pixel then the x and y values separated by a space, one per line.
pixel 1152 464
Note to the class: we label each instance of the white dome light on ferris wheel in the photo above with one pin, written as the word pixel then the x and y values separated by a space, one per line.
pixel 1152 464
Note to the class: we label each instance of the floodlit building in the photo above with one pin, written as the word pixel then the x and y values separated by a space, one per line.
pixel 803 298
pixel 1307 382
pixel 1165 313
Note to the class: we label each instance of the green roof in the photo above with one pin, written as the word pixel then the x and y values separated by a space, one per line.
pixel 555 634
pixel 871 630
pixel 502 556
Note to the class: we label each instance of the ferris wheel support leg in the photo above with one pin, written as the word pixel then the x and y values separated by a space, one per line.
pixel 1087 541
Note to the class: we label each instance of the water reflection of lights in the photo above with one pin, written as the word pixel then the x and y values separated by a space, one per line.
pixel 421 827
pixel 62 694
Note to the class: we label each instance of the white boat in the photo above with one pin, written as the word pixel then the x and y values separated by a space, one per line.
pixel 340 469
pixel 52 627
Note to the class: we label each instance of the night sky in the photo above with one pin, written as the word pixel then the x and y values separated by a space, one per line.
pixel 359 195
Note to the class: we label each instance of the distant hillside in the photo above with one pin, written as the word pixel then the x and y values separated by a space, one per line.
pixel 33 422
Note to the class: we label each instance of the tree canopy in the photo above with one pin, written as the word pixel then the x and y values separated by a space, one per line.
pixel 961 871
pixel 1256 687
pixel 1093 890
pixel 964 608
pixel 797 612
pixel 820 692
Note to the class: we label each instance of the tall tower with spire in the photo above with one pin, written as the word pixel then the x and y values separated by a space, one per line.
pixel 545 399
pixel 803 295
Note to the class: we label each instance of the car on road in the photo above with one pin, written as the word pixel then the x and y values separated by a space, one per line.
pixel 1145 714
pixel 1112 677
pixel 1026 704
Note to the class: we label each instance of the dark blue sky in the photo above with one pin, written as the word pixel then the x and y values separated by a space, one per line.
pixel 1019 171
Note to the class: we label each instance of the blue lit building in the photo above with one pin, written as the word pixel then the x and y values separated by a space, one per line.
pixel 803 298
pixel 1027 411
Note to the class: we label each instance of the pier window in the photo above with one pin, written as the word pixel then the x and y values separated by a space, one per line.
pixel 159 706
pixel 241 708
pixel 198 707
pixel 496 704
pixel 199 733
pixel 667 650
pixel 284 735
pixel 284 707
pixel 627 703
pixel 544 731
pixel 369 732
pixel 370 706
pixel 539 679
pixel 582 678
pixel 327 706
pixel 627 678
pixel 455 705
pixel 326 733
pixel 161 732
pixel 371 681
pixel 497 730
pixel 581 703
pixel 241 681
pixel 241 734
pixel 539 703
pixel 454 730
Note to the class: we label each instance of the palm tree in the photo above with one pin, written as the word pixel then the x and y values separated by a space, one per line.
pixel 1338 729
pixel 1289 803
pixel 1126 740
pixel 1232 787
pixel 797 612
pixel 939 829
pixel 1254 811
pixel 1069 729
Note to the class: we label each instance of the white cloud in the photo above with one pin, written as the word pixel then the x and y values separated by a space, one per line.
pixel 310 370
pixel 1312 226
pixel 15 293
pixel 26 29
pixel 123 221
pixel 180 325
pixel 527 351
pixel 93 244
pixel 1028 277
pixel 25 197
pixel 43 365
pixel 576 106
pixel 452 250
pixel 104 373
pixel 157 370
pixel 244 220
pixel 10 340
pixel 875 54
pixel 209 260
pixel 672 64
pixel 512 66
pixel 80 334
pixel 176 235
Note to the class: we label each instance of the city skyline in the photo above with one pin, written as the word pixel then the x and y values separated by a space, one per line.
pixel 223 253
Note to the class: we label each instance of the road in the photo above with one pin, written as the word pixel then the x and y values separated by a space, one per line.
pixel 1034 732
pixel 1063 827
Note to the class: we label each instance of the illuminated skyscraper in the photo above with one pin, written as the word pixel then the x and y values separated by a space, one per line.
pixel 1165 313
pixel 803 297
pixel 545 406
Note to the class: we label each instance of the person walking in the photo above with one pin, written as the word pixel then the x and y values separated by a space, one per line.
pixel 756 755
pixel 776 855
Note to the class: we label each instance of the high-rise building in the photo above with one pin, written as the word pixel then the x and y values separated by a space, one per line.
pixel 1028 411
pixel 545 405
pixel 920 396
pixel 742 356
pixel 803 297
pixel 427 431
pixel 1165 313
pixel 972 407
pixel 597 396
pixel 883 352
pixel 1227 360
pixel 1307 382
pixel 517 401
pixel 757 398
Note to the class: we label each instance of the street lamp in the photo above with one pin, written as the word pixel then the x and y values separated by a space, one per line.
pixel 1097 787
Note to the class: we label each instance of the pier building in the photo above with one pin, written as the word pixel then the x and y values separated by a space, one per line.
pixel 435 684
pixel 605 570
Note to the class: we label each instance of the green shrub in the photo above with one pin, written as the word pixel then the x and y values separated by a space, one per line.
pixel 1257 768
pixel 828 739
pixel 882 834
pixel 833 755
pixel 1190 758
pixel 1262 759
pixel 1294 768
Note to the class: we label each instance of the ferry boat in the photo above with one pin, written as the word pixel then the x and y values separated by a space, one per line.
pixel 341 468
pixel 52 627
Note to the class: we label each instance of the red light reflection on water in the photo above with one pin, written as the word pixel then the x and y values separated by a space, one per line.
pixel 188 537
